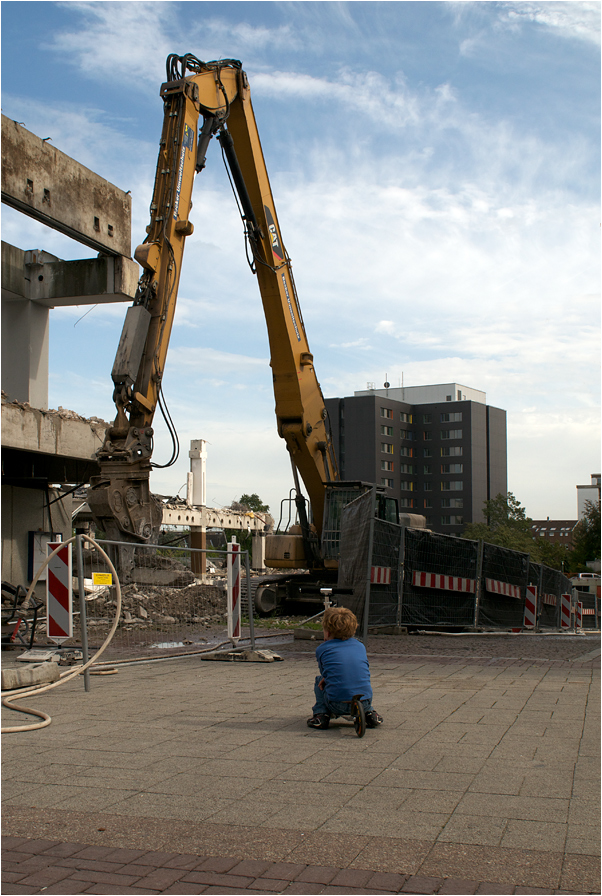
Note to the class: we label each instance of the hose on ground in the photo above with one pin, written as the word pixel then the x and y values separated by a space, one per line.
pixel 66 676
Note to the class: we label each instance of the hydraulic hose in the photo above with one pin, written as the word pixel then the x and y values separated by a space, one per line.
pixel 66 676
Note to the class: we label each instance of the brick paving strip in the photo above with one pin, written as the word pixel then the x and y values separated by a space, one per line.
pixel 65 866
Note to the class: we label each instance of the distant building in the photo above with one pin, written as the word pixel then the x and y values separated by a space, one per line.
pixel 587 493
pixel 554 531
pixel 440 450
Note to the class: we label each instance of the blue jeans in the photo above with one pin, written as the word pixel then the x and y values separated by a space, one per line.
pixel 333 708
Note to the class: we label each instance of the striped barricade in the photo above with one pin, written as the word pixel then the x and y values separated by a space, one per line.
pixel 578 615
pixel 505 588
pixel 380 575
pixel 59 594
pixel 233 590
pixel 530 617
pixel 443 583
pixel 565 611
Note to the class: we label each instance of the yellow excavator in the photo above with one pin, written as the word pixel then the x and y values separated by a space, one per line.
pixel 203 100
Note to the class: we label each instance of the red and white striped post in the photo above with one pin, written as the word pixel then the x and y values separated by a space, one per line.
pixel 233 584
pixel 565 612
pixel 578 615
pixel 530 616
pixel 59 594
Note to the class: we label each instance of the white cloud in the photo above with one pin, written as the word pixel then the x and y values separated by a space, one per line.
pixel 571 20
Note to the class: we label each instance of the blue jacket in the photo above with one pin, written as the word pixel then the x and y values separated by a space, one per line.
pixel 344 667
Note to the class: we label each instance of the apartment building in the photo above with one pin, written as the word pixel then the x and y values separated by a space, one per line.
pixel 440 450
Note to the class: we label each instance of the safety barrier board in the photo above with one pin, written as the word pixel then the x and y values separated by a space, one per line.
pixel 549 599
pixel 443 583
pixel 380 575
pixel 504 588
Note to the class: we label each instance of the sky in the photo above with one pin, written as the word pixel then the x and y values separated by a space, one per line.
pixel 436 172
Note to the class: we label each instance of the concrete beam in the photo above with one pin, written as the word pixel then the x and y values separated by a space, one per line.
pixel 61 433
pixel 40 277
pixel 208 518
pixel 45 183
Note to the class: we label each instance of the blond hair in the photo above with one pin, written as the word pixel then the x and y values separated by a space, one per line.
pixel 340 623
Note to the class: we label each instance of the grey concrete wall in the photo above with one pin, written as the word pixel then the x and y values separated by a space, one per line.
pixel 25 510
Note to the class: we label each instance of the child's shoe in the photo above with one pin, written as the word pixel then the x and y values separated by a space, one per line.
pixel 322 720
pixel 373 720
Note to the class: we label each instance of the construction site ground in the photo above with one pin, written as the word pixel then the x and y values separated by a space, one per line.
pixel 187 776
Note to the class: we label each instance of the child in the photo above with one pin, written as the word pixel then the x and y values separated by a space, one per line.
pixel 344 671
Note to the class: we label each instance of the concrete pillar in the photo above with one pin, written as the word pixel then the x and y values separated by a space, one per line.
pixel 258 551
pixel 25 341
pixel 198 468
pixel 198 540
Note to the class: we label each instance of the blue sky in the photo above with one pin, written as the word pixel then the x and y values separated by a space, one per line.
pixel 436 172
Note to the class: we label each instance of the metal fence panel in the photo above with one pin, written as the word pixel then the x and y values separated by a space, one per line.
pixel 505 576
pixel 440 558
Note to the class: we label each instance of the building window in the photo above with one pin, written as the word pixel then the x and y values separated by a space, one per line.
pixel 386 448
pixel 452 468
pixel 457 503
pixel 386 412
pixel 452 520
pixel 386 430
pixel 427 418
pixel 427 486
pixel 427 469
pixel 428 503
pixel 452 418
pixel 454 485
pixel 406 418
pixel 427 452
pixel 406 502
pixel 406 468
pixel 406 486
pixel 386 465
pixel 451 433
pixel 389 483
pixel 448 397
pixel 427 435
pixel 407 434
pixel 406 452
pixel 452 451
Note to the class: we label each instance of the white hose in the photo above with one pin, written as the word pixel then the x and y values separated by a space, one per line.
pixel 66 676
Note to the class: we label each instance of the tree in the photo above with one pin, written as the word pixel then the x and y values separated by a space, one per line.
pixel 586 538
pixel 252 503
pixel 507 525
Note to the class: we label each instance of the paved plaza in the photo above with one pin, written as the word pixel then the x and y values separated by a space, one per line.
pixel 187 776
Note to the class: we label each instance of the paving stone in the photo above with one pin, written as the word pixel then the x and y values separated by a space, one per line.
pixel 317 874
pixel 458 887
pixel 217 864
pixel 384 880
pixel 283 870
pixel 212 879
pixel 351 878
pixel 250 867
pixel 303 888
pixel 418 884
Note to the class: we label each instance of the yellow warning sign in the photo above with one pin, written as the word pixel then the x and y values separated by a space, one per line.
pixel 102 578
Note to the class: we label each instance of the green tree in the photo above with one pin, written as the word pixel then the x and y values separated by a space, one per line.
pixel 507 525
pixel 246 503
pixel 586 538
pixel 253 502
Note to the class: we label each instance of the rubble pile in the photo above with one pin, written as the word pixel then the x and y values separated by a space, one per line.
pixel 155 606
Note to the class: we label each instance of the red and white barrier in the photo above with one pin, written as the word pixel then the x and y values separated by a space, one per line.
pixel 443 583
pixel 578 615
pixel 233 588
pixel 380 575
pixel 565 611
pixel 549 599
pixel 504 588
pixel 530 616
pixel 59 594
